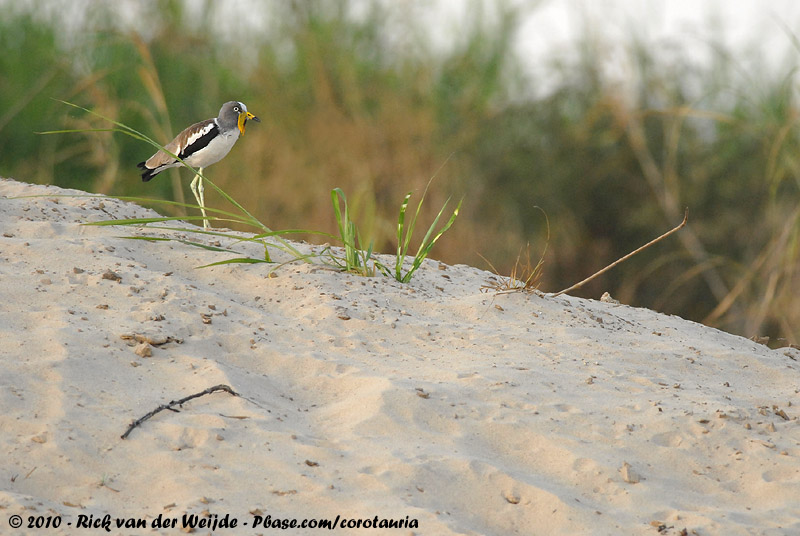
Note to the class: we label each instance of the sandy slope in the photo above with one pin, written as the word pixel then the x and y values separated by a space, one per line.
pixel 470 412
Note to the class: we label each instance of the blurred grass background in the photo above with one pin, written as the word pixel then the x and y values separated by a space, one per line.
pixel 356 95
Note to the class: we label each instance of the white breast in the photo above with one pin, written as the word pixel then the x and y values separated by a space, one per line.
pixel 215 150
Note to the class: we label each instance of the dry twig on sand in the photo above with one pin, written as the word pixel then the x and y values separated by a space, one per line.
pixel 180 402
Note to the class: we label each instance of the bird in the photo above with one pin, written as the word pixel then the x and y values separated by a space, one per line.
pixel 201 145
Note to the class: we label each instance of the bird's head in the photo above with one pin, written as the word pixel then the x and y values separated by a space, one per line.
pixel 244 115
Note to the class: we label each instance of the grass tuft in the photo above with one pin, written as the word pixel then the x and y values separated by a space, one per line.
pixel 405 231
pixel 356 259
pixel 524 275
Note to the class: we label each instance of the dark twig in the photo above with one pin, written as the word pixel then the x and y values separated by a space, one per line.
pixel 628 256
pixel 180 402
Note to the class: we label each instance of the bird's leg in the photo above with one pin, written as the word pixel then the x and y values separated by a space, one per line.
pixel 201 189
pixel 197 190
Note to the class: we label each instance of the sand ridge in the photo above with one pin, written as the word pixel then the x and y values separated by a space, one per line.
pixel 472 412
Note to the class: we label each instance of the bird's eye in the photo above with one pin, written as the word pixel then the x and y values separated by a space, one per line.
pixel 235 108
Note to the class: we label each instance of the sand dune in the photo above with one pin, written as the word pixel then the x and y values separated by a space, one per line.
pixel 465 411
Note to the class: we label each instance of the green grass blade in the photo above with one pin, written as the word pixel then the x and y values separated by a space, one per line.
pixel 402 246
pixel 354 259
pixel 423 252
pixel 148 238
pixel 237 260
pixel 136 199
pixel 134 221
pixel 432 227
pixel 182 241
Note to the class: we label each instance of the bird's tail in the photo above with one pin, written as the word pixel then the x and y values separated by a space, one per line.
pixel 147 173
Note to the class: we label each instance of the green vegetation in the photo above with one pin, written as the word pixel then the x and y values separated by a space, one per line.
pixel 356 258
pixel 367 104
pixel 405 230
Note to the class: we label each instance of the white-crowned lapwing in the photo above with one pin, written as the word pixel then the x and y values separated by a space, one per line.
pixel 201 145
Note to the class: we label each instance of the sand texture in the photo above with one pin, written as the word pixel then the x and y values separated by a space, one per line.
pixel 471 412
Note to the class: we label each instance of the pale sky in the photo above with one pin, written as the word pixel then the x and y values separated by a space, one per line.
pixel 550 25
pixel 746 28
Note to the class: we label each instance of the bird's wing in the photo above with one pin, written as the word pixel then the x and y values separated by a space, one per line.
pixel 185 144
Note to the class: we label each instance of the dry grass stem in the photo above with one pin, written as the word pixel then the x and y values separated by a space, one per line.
pixel 628 256
pixel 524 276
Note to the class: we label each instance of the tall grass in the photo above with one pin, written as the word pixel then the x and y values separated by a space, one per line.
pixel 361 100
